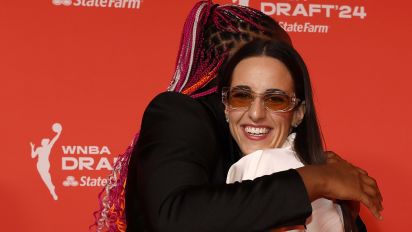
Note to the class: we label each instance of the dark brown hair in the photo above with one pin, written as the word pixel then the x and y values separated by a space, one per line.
pixel 308 141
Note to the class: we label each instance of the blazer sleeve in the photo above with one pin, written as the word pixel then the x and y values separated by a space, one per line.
pixel 171 167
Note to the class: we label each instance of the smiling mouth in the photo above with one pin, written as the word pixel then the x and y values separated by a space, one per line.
pixel 256 131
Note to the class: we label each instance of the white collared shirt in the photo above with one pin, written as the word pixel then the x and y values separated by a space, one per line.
pixel 326 215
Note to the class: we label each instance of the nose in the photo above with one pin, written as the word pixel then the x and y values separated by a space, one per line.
pixel 257 110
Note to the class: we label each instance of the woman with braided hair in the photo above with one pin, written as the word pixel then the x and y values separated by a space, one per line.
pixel 176 169
pixel 211 33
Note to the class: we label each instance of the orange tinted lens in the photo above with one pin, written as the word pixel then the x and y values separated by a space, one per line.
pixel 277 102
pixel 240 99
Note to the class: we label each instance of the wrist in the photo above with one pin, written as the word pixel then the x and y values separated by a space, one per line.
pixel 313 180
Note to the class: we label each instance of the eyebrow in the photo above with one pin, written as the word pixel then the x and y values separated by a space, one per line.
pixel 247 88
pixel 275 91
pixel 242 87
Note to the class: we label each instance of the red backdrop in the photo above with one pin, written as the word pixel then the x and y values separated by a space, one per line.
pixel 93 66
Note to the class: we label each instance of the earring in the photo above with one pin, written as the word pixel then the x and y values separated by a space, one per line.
pixel 227 119
pixel 296 124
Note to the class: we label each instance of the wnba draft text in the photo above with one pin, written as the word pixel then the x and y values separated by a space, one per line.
pixel 311 10
pixel 86 160
pixel 75 158
pixel 302 11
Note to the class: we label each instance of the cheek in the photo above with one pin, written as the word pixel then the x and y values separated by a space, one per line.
pixel 281 124
pixel 282 119
pixel 235 117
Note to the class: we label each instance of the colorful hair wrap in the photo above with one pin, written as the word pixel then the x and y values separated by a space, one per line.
pixel 191 41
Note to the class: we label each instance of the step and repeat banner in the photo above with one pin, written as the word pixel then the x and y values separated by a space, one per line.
pixel 76 76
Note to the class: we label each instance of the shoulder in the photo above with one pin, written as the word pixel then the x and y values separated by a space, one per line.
pixel 171 97
pixel 177 107
pixel 177 102
pixel 177 117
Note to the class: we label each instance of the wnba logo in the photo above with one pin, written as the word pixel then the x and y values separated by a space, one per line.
pixel 42 153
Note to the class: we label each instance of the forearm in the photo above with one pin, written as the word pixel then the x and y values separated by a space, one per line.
pixel 55 138
pixel 338 179
pixel 313 180
pixel 33 153
pixel 267 202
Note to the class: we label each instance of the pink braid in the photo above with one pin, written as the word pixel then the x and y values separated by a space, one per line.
pixel 111 214
pixel 191 39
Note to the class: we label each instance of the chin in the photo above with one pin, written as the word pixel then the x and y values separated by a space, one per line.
pixel 248 150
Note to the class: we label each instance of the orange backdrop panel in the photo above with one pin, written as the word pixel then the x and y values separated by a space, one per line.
pixel 93 66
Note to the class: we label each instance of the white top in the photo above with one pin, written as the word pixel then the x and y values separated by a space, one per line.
pixel 326 215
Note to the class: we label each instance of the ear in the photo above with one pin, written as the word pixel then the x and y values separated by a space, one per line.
pixel 298 114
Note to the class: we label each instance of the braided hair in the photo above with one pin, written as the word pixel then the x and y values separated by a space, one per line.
pixel 210 35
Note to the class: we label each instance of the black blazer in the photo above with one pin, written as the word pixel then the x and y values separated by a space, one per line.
pixel 177 174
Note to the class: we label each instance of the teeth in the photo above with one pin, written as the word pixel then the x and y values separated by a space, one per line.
pixel 259 131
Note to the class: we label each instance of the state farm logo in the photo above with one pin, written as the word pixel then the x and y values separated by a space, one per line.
pixel 124 4
pixel 81 164
pixel 62 2
pixel 70 181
